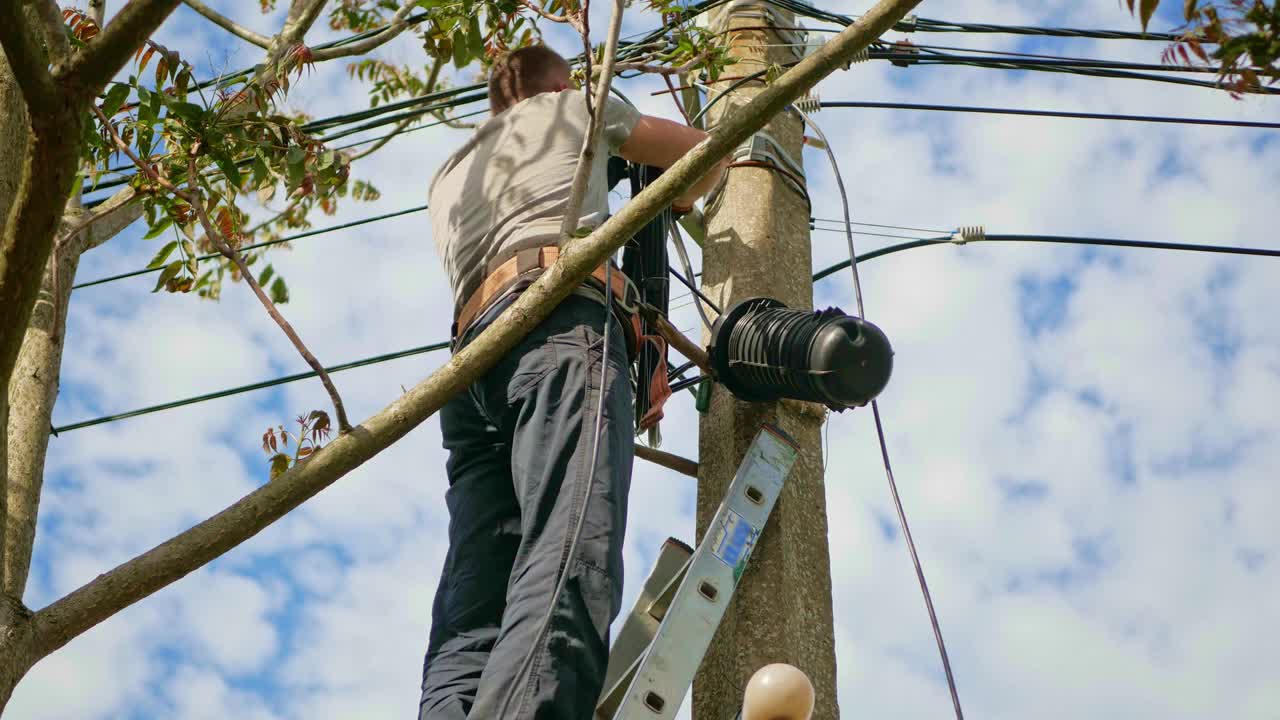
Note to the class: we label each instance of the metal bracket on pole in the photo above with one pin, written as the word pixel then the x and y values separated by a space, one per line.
pixel 762 148
pixel 688 604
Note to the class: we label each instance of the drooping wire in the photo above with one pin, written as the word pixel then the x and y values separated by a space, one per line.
pixel 689 281
pixel 1050 113
pixel 819 275
pixel 844 204
pixel 290 238
pixel 884 447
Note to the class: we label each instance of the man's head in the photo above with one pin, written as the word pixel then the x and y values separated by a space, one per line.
pixel 525 73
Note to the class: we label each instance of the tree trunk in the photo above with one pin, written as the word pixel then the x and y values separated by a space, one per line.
pixel 33 390
pixel 15 647
pixel 17 134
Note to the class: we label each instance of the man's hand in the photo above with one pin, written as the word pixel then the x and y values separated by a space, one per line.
pixel 661 142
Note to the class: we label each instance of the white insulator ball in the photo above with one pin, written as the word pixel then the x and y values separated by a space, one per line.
pixel 778 692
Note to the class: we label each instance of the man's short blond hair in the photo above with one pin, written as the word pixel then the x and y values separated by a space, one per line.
pixel 525 73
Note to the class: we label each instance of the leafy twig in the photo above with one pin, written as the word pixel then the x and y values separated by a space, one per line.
pixel 229 252
pixel 192 198
pixel 393 28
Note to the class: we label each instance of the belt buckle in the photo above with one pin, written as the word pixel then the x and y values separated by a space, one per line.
pixel 630 300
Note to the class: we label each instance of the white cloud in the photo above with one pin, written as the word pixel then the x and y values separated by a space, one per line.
pixel 1093 502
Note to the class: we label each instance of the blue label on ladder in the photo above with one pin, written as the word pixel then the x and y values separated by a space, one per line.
pixel 734 539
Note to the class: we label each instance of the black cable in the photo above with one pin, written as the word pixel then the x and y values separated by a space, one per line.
pixel 688 382
pixel 1050 113
pixel 1105 242
pixel 864 257
pixel 928 25
pixel 247 388
pixel 683 281
pixel 268 243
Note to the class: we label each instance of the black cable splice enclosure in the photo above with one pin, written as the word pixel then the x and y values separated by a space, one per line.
pixel 763 351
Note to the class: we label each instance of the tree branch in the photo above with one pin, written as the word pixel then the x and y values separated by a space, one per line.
pixel 192 197
pixel 26 59
pixel 540 11
pixel 594 125
pixel 55 31
pixel 94 67
pixel 120 587
pixel 663 69
pixel 103 222
pixel 229 25
pixel 229 252
pixel 393 29
pixel 302 15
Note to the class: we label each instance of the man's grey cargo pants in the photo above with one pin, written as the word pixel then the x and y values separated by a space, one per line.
pixel 520 444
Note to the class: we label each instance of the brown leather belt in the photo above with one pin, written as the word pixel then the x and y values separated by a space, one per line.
pixel 505 277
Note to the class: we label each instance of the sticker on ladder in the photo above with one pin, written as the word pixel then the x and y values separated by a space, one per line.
pixel 734 539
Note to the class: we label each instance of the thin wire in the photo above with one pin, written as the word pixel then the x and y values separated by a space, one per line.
pixel 915 559
pixel 290 238
pixel 1049 113
pixel 247 388
pixel 875 409
pixel 844 204
pixel 693 288
pixel 867 224
pixel 821 274
pixel 688 268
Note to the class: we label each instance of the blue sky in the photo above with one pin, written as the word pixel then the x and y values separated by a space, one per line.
pixel 1084 439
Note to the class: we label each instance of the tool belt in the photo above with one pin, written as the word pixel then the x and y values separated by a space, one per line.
pixel 525 266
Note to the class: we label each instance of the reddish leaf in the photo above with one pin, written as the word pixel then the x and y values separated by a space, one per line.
pixel 268 438
pixel 146 57
pixel 1198 49
pixel 304 452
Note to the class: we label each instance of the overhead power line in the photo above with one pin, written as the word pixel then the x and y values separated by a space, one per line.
pixel 248 388
pixel 864 257
pixel 298 236
pixel 1051 113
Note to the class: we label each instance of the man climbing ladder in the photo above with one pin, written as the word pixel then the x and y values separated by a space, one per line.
pixel 526 503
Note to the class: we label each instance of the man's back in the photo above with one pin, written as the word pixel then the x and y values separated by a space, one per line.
pixel 506 189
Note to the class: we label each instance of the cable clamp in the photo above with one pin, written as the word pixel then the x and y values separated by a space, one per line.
pixel 903 48
pixel 906 24
pixel 968 234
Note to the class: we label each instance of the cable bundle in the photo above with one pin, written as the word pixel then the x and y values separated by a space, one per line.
pixel 764 351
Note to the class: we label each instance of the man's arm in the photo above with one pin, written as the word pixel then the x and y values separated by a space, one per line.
pixel 659 142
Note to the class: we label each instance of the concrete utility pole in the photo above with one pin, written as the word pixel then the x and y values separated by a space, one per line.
pixel 757 244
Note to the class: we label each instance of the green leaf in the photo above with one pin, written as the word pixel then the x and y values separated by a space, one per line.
pixel 265 277
pixel 77 185
pixel 115 98
pixel 460 55
pixel 188 248
pixel 170 271
pixel 228 167
pixel 475 42
pixel 189 112
pixel 163 255
pixel 279 291
pixel 279 464
pixel 327 159
pixel 260 172
pixel 158 228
